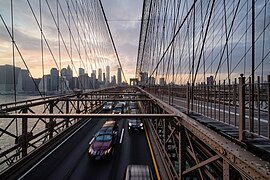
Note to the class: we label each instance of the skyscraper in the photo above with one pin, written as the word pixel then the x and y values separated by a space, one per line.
pixel 99 75
pixel 104 78
pixel 119 76
pixel 44 84
pixel 54 79
pixel 81 71
pixel 7 78
pixel 107 74
pixel 69 73
pixel 113 82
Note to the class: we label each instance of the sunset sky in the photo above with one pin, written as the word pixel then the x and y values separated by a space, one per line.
pixel 123 18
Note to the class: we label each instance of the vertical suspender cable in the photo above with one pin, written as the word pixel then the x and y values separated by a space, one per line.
pixel 252 66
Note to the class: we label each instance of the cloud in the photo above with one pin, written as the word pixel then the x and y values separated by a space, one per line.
pixel 124 21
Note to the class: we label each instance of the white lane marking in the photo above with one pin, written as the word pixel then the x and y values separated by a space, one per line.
pixel 92 140
pixel 121 137
pixel 52 151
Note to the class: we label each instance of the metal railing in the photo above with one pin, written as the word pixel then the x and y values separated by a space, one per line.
pixel 227 102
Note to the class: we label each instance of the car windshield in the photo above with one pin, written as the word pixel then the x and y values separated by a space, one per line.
pixel 104 137
pixel 109 103
pixel 118 109
pixel 134 121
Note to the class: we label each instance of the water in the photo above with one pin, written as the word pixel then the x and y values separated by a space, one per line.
pixel 10 98
pixel 13 126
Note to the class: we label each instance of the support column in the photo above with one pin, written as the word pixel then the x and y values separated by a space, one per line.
pixel 51 122
pixel 241 107
pixel 187 98
pixel 268 99
pixel 67 112
pixel 24 134
pixel 182 149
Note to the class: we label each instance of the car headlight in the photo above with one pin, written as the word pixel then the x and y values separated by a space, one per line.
pixel 129 124
pixel 141 124
pixel 91 151
pixel 107 151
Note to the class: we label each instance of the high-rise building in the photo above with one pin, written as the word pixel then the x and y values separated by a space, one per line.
pixel 63 72
pixel 162 81
pixel 93 80
pixel 7 78
pixel 45 83
pixel 144 77
pixel 27 83
pixel 99 75
pixel 81 71
pixel 210 80
pixel 104 78
pixel 54 79
pixel 107 74
pixel 113 82
pixel 152 81
pixel 69 73
pixel 119 76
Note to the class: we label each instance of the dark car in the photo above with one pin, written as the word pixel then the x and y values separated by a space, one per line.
pixel 102 145
pixel 118 109
pixel 133 105
pixel 135 124
pixel 108 106
pixel 138 172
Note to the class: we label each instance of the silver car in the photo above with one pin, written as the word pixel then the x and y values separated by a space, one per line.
pixel 142 172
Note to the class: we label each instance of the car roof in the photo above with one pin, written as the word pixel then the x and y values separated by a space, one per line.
pixel 119 105
pixel 109 123
pixel 139 172
pixel 105 130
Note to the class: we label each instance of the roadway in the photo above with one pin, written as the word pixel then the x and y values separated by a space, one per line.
pixel 69 160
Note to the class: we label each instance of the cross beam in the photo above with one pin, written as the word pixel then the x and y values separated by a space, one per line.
pixel 88 115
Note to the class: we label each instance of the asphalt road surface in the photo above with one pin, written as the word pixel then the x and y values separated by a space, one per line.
pixel 70 160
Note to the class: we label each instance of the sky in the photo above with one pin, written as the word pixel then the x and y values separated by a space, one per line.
pixel 124 21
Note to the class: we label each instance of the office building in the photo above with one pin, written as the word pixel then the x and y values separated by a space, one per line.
pixel 119 76
pixel 81 71
pixel 54 79
pixel 7 78
pixel 107 75
pixel 99 75
pixel 45 84
pixel 113 82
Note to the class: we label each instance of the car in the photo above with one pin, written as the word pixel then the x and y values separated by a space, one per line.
pixel 133 105
pixel 102 144
pixel 135 124
pixel 138 172
pixel 118 109
pixel 108 106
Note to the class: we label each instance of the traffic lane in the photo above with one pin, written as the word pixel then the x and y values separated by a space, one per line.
pixel 103 169
pixel 61 162
pixel 134 150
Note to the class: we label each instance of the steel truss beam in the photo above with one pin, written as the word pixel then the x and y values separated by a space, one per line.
pixel 219 150
pixel 88 116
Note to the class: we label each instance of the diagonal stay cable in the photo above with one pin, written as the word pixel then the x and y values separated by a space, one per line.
pixel 109 31
pixel 18 50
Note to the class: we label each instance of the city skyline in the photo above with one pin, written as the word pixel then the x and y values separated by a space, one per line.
pixel 56 80
pixel 30 48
